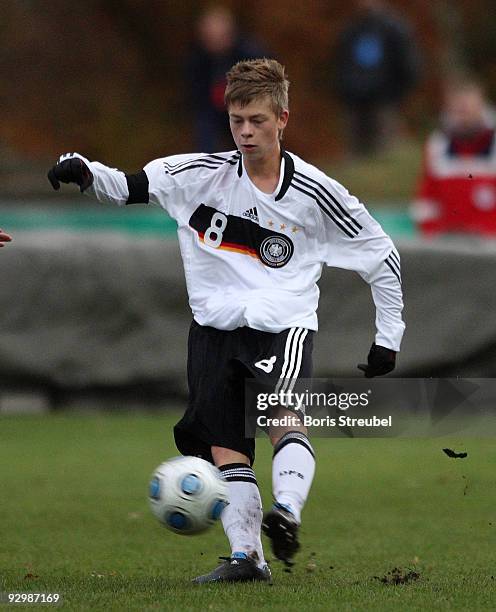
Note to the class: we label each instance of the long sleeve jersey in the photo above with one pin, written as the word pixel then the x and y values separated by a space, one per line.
pixel 253 259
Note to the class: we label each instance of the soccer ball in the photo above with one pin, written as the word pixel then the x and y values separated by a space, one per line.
pixel 187 494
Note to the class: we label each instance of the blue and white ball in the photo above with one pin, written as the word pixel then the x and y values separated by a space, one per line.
pixel 187 494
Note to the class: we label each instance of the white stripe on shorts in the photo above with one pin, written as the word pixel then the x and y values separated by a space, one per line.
pixel 293 354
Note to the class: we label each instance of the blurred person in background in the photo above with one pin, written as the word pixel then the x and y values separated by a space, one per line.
pixel 218 46
pixel 4 238
pixel 376 66
pixel 457 187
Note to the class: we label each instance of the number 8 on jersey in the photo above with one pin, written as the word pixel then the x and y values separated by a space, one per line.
pixel 213 235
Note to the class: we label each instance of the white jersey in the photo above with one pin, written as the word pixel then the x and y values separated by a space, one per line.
pixel 253 259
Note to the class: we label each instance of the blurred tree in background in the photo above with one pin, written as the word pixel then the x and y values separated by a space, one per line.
pixel 106 76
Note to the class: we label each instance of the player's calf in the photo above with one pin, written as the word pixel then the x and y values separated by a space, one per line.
pixel 293 468
pixel 242 518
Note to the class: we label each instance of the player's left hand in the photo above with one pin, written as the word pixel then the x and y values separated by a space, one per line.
pixel 71 168
pixel 4 238
pixel 380 360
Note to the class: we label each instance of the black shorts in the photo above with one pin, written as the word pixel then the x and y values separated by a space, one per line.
pixel 219 362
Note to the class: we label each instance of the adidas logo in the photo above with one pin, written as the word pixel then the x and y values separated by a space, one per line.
pixel 251 213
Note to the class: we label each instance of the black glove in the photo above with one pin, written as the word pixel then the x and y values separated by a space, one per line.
pixel 380 361
pixel 71 169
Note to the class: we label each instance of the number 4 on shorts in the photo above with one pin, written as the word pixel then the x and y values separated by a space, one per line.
pixel 267 365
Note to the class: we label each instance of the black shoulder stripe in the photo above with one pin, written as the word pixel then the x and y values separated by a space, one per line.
pixel 393 270
pixel 325 210
pixel 137 185
pixel 202 165
pixel 213 163
pixel 171 169
pixel 212 158
pixel 219 157
pixel 322 200
pixel 320 187
pixel 199 163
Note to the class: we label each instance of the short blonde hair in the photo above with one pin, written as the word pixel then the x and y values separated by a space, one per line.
pixel 251 79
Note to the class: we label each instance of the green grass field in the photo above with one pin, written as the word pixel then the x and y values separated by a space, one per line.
pixel 74 520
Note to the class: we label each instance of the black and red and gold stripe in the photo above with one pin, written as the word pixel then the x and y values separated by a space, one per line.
pixel 240 234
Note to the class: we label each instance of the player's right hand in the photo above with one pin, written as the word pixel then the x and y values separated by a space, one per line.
pixel 71 168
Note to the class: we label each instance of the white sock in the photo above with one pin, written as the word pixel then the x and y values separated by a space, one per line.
pixel 242 518
pixel 293 467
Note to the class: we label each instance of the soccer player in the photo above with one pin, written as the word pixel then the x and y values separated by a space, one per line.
pixel 255 226
pixel 4 238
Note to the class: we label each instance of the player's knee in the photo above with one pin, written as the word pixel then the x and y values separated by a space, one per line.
pixel 224 456
pixel 284 420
